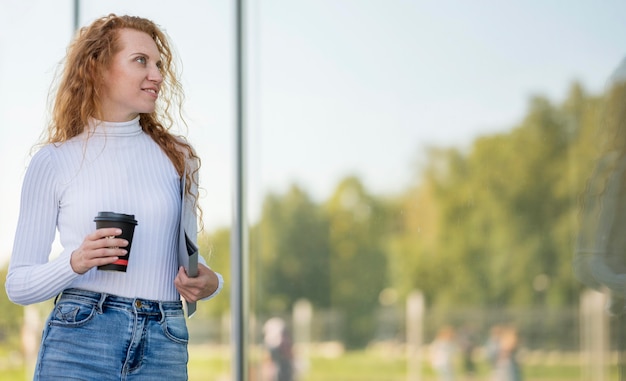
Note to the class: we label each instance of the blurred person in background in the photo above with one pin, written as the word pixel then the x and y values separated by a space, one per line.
pixel 492 346
pixel 279 344
pixel 442 352
pixel 507 367
pixel 467 344
pixel 109 148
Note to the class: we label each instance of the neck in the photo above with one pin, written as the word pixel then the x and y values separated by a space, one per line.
pixel 126 128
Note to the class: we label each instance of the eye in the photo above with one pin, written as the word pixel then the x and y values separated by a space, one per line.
pixel 141 59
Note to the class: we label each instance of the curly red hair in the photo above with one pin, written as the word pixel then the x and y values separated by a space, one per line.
pixel 78 93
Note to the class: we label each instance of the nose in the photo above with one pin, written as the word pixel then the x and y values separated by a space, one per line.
pixel 155 75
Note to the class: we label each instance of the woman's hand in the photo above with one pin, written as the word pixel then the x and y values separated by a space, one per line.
pixel 194 289
pixel 99 248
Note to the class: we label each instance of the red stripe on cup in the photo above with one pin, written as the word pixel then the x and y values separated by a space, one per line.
pixel 123 262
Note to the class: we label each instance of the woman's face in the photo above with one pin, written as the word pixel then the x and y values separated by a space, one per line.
pixel 132 82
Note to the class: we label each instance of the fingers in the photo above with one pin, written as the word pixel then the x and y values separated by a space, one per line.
pixel 111 243
pixel 99 248
pixel 196 288
pixel 185 285
pixel 181 279
pixel 106 238
pixel 83 259
pixel 104 232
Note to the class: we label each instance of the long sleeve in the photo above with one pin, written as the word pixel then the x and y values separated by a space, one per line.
pixel 32 276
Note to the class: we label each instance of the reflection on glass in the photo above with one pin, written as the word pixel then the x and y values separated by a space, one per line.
pixel 421 216
pixel 600 260
pixel 414 165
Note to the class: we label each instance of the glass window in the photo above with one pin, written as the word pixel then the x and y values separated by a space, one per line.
pixel 419 171
pixel 433 188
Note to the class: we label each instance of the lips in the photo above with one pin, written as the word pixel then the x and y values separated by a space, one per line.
pixel 152 91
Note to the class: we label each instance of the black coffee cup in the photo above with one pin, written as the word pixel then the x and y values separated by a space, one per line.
pixel 125 222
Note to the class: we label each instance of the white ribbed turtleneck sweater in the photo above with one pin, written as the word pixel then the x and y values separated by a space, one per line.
pixel 118 168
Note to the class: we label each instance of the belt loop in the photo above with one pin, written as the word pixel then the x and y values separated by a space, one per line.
pixel 103 297
pixel 162 312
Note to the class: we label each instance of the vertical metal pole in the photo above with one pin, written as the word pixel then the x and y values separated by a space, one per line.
pixel 239 258
pixel 76 15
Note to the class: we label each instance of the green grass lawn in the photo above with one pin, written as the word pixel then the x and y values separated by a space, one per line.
pixel 213 364
pixel 209 365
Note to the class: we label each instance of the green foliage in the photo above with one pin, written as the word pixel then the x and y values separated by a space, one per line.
pixel 358 263
pixel 215 248
pixel 492 225
pixel 290 253
pixel 506 211
pixel 11 316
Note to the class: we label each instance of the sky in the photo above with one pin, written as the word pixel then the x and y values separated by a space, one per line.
pixel 334 87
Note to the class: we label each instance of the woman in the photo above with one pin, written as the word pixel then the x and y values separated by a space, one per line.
pixel 109 149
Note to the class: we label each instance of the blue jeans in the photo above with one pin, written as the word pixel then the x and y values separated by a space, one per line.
pixel 94 336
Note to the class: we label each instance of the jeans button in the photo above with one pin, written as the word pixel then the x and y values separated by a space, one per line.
pixel 138 303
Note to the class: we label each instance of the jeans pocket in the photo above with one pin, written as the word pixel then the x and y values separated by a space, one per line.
pixel 72 313
pixel 175 328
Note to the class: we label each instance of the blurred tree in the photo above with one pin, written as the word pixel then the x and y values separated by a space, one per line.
pixel 494 224
pixel 290 252
pixel 215 248
pixel 489 225
pixel 358 268
pixel 11 317
pixel 411 247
